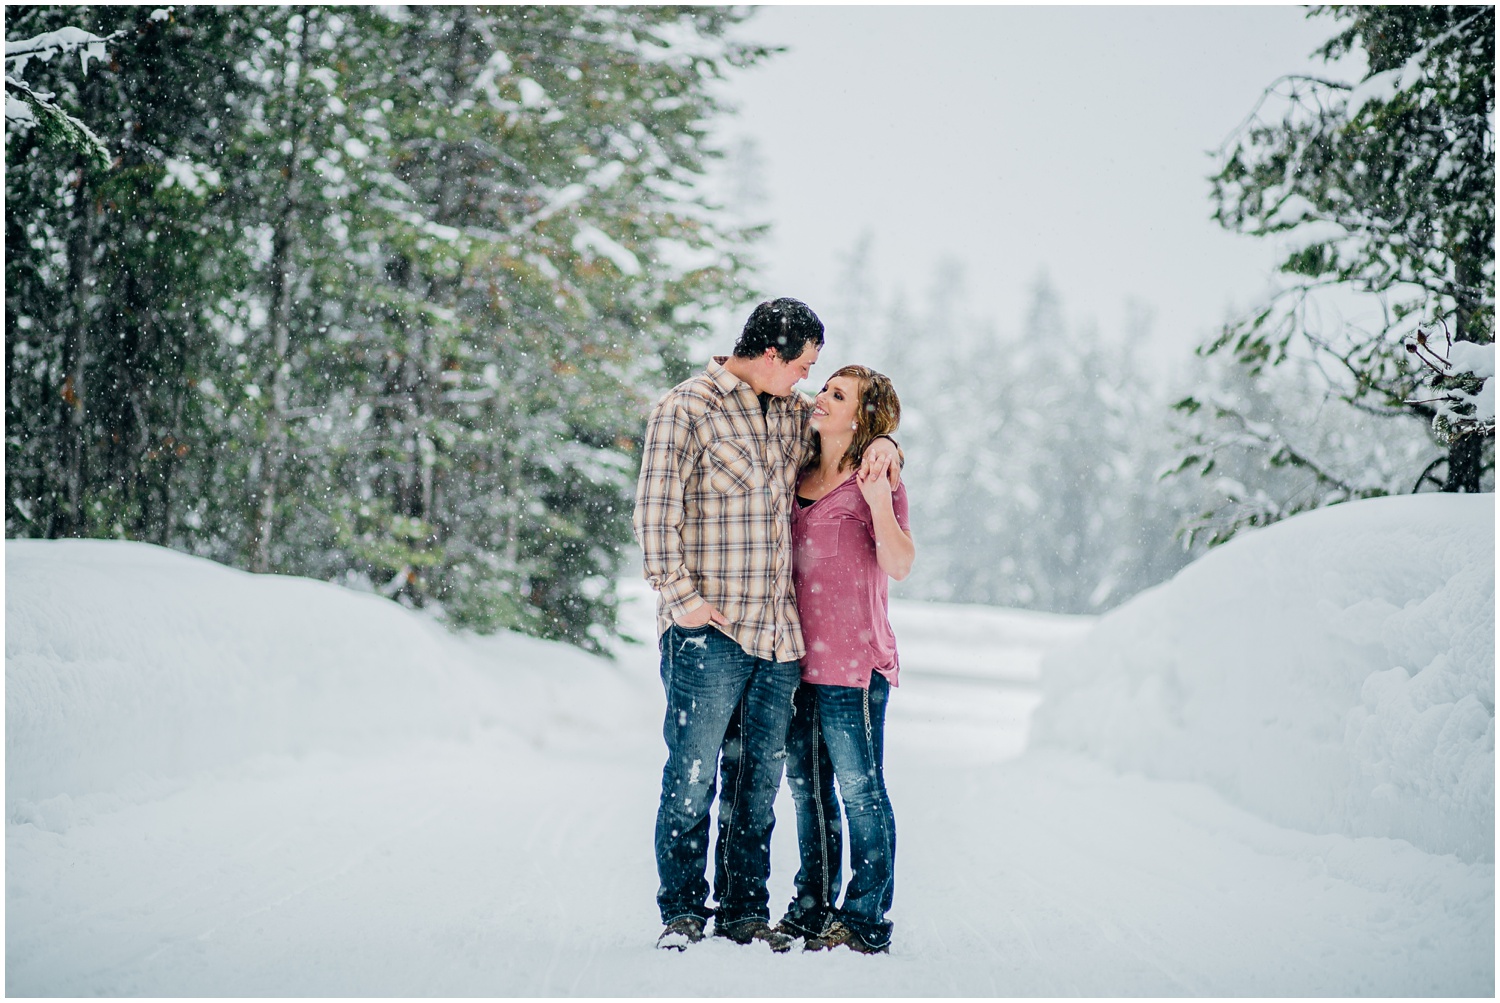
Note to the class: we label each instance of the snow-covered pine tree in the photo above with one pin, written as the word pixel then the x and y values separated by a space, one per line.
pixel 1384 187
pixel 559 256
pixel 113 273
pixel 388 292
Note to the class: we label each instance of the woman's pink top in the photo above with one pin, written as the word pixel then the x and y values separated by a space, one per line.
pixel 842 595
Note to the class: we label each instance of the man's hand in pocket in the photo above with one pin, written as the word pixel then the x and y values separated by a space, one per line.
pixel 703 614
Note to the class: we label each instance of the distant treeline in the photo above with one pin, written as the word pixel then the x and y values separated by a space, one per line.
pixel 376 295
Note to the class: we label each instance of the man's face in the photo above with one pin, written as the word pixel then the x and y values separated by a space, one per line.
pixel 785 375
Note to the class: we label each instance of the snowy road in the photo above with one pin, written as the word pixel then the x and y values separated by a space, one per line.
pixel 517 861
pixel 508 866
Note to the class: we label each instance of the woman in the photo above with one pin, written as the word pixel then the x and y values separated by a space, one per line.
pixel 849 534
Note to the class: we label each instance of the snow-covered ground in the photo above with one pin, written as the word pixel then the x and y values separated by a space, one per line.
pixel 224 784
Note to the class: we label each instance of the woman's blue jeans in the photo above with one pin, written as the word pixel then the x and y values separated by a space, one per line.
pixel 720 699
pixel 839 731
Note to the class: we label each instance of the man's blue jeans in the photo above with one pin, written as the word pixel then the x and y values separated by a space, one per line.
pixel 720 698
pixel 840 731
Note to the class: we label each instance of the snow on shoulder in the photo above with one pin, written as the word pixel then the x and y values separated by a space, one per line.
pixel 1332 673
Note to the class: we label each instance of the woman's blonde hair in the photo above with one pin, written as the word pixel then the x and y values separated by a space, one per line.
pixel 878 413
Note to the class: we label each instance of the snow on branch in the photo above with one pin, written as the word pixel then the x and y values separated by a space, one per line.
pixel 65 41
pixel 27 108
pixel 1462 375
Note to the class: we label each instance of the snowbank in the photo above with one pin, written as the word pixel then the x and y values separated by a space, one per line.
pixel 127 663
pixel 1333 673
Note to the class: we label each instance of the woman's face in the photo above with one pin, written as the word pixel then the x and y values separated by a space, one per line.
pixel 836 408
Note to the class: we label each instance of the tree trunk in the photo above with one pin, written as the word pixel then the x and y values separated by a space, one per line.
pixel 71 429
pixel 273 450
pixel 1465 464
pixel 426 358
pixel 1466 453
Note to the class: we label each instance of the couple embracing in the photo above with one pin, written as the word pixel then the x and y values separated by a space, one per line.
pixel 769 527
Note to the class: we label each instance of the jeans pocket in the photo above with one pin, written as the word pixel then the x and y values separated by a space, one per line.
pixel 691 641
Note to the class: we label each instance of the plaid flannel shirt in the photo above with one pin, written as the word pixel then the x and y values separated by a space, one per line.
pixel 713 508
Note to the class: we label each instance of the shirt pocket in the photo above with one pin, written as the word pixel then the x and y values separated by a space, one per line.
pixel 731 469
pixel 821 540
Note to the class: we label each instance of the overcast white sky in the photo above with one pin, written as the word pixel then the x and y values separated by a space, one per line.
pixel 1016 140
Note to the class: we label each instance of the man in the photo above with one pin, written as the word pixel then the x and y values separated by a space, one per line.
pixel 713 517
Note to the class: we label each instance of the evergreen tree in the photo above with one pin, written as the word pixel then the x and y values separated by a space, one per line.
pixel 1385 187
pixel 557 271
pixel 378 295
pixel 112 276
